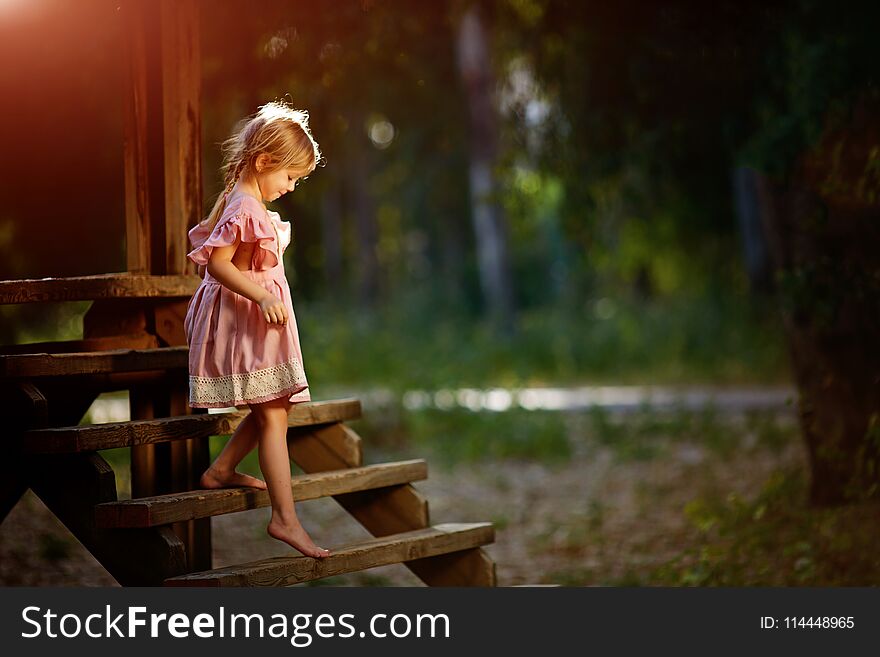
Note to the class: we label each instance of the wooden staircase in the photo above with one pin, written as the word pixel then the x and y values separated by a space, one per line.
pixel 152 540
pixel 133 340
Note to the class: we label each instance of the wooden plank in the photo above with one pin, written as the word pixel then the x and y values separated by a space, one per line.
pixel 108 343
pixel 165 509
pixel 110 435
pixel 99 286
pixel 71 486
pixel 386 511
pixel 324 412
pixel 382 551
pixel 87 363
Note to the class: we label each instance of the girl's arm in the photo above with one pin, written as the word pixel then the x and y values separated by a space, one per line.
pixel 220 267
pixel 202 269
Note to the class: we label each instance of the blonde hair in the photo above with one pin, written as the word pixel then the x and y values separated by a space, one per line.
pixel 278 130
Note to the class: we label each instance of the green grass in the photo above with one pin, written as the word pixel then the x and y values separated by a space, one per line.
pixel 460 435
pixel 649 433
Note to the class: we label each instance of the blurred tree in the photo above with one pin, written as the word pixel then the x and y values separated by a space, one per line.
pixel 653 105
pixel 826 230
pixel 819 145
pixel 487 215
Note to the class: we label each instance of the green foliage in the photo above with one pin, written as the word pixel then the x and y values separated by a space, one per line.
pixel 820 61
pixel 606 339
pixel 460 435
pixel 42 322
pixel 775 539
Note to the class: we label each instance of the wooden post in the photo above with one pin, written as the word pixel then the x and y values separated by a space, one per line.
pixel 163 199
pixel 181 110
pixel 71 485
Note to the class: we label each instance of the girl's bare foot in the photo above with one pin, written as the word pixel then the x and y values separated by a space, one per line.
pixel 213 478
pixel 296 537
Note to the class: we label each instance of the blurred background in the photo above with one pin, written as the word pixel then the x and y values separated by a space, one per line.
pixel 548 248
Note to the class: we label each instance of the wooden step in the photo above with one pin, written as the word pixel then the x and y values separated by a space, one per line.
pixel 396 548
pixel 117 285
pixel 93 437
pixel 165 509
pixel 141 340
pixel 386 511
pixel 93 362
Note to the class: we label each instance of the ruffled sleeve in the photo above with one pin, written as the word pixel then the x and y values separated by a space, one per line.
pixel 244 225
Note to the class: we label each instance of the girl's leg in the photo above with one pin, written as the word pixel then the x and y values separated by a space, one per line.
pixel 275 464
pixel 222 472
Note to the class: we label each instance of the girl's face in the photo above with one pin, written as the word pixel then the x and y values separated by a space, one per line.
pixel 276 184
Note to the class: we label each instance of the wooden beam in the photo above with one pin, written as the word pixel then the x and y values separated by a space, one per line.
pixel 71 485
pixel 27 405
pixel 138 32
pixel 93 437
pixel 86 363
pixel 23 407
pixel 189 458
pixel 181 113
pixel 467 568
pixel 167 320
pixel 382 551
pixel 176 507
pixel 117 285
pixel 388 511
pixel 109 343
pixel 163 198
pixel 65 404
pixel 333 447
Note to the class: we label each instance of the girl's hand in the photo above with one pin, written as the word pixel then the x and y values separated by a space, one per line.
pixel 273 309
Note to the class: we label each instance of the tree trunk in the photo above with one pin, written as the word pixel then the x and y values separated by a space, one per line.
pixel 487 215
pixel 825 239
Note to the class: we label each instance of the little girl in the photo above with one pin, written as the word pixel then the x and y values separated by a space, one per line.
pixel 240 327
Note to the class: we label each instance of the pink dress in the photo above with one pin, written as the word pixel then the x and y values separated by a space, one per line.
pixel 236 357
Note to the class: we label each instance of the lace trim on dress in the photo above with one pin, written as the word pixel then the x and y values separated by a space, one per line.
pixel 246 385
